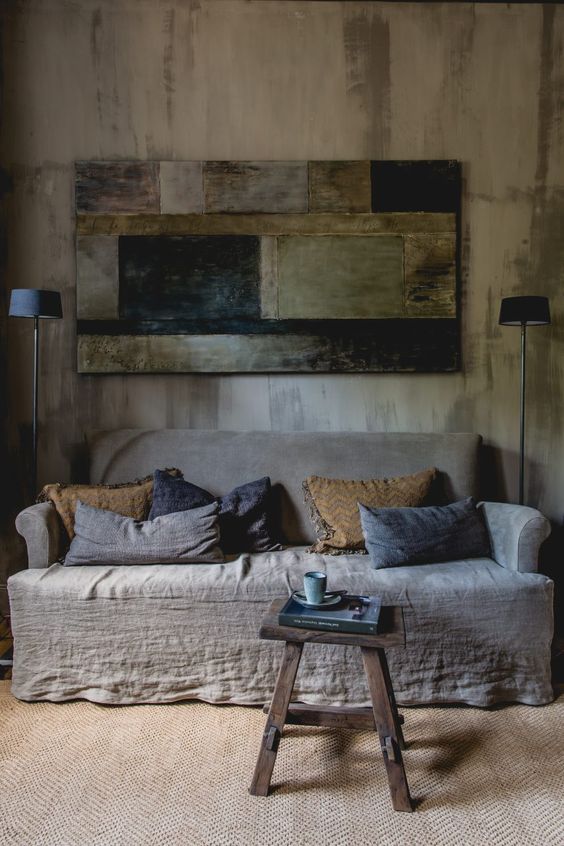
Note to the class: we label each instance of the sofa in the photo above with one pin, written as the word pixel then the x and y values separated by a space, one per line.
pixel 478 631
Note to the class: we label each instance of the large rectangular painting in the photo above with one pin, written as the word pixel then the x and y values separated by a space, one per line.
pixel 343 266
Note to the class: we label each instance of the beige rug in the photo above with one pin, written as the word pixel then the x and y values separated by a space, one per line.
pixel 85 774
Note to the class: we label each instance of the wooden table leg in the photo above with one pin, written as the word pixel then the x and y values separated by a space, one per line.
pixel 392 697
pixel 386 719
pixel 276 719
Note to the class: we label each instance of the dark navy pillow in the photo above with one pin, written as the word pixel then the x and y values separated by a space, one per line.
pixel 170 498
pixel 398 536
pixel 245 514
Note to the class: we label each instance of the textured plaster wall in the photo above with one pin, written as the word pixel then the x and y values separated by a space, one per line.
pixel 294 80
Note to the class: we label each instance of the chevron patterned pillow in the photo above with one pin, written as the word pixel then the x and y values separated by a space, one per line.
pixel 333 505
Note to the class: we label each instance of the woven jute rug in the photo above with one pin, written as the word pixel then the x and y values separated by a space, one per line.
pixel 78 773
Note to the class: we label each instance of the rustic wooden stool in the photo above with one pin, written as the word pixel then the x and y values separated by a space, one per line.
pixel 382 717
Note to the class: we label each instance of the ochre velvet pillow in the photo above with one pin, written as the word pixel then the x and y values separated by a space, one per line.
pixel 333 506
pixel 130 499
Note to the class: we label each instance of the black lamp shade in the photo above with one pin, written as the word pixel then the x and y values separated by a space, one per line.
pixel 531 311
pixel 32 302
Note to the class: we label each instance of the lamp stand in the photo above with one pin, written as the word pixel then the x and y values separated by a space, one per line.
pixel 523 311
pixel 35 405
pixel 522 421
pixel 37 303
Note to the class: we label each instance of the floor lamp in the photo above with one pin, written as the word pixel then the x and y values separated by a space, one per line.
pixel 31 302
pixel 523 312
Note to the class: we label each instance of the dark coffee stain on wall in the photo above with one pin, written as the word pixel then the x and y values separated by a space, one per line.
pixel 460 52
pixel 367 60
pixel 96 54
pixel 543 270
pixel 15 435
pixel 545 119
pixel 169 78
pixel 7 504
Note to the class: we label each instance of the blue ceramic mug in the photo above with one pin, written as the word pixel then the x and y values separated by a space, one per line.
pixel 315 583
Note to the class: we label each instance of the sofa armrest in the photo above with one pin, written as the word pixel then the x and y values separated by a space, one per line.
pixel 40 527
pixel 516 534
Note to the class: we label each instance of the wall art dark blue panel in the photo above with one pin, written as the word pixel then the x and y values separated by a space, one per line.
pixel 197 277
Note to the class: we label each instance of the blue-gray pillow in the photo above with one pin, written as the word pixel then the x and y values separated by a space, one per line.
pixel 103 537
pixel 246 516
pixel 398 536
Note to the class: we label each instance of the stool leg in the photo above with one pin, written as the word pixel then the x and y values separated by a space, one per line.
pixel 386 719
pixel 276 719
pixel 392 698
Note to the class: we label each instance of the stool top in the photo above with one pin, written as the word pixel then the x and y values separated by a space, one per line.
pixel 391 622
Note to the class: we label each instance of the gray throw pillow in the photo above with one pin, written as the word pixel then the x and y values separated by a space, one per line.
pixel 397 536
pixel 104 537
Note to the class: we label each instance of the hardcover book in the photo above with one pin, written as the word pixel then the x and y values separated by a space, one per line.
pixel 354 614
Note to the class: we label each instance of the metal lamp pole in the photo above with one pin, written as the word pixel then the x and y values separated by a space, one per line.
pixel 523 311
pixel 35 403
pixel 39 304
pixel 522 417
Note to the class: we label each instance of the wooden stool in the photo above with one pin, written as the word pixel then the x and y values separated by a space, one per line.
pixel 382 717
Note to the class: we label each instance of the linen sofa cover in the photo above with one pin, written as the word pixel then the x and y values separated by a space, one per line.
pixel 477 631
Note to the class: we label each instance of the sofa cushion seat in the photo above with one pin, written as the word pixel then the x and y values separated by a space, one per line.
pixel 475 632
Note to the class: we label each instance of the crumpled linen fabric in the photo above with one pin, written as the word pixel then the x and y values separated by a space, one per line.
pixel 476 632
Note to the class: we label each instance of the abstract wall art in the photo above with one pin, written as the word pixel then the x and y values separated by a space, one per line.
pixel 343 266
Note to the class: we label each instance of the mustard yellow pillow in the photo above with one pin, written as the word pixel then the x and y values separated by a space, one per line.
pixel 130 499
pixel 333 505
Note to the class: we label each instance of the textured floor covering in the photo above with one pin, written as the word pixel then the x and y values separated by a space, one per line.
pixel 79 773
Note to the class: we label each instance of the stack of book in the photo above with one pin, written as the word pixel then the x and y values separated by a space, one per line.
pixel 353 614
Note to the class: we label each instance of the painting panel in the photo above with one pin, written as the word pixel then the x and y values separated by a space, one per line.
pixel 181 187
pixel 340 276
pixel 244 187
pixel 200 276
pixel 390 346
pixel 430 275
pixel 120 187
pixel 266 224
pixel 411 186
pixel 339 187
pixel 97 272
pixel 267 266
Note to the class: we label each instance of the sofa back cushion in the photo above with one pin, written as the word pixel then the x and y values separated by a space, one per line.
pixel 219 461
